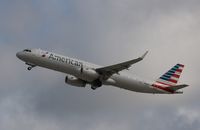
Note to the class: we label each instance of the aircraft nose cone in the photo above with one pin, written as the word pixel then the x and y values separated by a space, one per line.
pixel 19 55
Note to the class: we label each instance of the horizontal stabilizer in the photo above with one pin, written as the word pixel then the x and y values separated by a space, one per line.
pixel 177 87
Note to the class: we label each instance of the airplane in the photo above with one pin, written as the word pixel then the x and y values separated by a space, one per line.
pixel 80 73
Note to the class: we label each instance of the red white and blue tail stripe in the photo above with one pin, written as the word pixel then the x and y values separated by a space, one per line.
pixel 169 79
pixel 172 76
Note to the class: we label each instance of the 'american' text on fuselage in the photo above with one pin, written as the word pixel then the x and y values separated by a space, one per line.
pixel 65 60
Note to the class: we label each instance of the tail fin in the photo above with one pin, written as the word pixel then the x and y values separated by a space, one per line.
pixel 171 77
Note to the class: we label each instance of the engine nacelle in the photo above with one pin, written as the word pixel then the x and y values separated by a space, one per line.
pixel 89 74
pixel 71 80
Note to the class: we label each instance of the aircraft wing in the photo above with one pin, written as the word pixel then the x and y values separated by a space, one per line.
pixel 115 69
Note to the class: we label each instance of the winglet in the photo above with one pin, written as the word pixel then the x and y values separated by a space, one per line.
pixel 142 57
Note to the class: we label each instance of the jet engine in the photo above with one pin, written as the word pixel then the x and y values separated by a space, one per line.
pixel 71 80
pixel 89 75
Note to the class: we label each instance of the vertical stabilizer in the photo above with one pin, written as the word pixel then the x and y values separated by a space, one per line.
pixel 171 77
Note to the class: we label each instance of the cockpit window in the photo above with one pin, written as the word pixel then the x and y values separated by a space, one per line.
pixel 27 50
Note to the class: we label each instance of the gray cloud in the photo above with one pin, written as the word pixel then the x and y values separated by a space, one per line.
pixel 113 32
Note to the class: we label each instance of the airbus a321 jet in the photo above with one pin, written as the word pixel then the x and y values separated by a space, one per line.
pixel 80 73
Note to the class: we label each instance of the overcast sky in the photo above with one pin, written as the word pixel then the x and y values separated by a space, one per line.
pixel 104 32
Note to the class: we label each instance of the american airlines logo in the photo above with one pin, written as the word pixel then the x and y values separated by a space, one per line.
pixel 65 60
